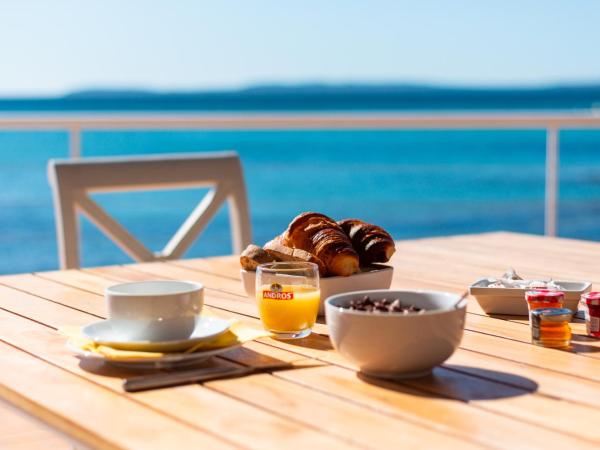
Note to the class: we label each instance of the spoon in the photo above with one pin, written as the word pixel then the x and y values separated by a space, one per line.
pixel 460 300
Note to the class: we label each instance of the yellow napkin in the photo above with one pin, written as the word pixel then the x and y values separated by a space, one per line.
pixel 237 334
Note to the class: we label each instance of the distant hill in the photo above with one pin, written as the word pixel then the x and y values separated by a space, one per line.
pixel 303 89
pixel 320 97
pixel 109 93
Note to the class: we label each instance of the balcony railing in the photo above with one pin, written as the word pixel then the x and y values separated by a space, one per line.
pixel 553 123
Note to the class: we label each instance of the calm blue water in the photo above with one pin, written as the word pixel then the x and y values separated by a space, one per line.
pixel 414 183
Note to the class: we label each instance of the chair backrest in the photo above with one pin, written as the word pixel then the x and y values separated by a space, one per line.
pixel 73 180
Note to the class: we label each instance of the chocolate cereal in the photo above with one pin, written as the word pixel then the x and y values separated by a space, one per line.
pixel 384 305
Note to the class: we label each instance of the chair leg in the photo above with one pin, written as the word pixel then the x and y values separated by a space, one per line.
pixel 67 230
pixel 239 219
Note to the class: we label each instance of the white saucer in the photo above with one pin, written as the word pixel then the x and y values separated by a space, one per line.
pixel 166 361
pixel 105 333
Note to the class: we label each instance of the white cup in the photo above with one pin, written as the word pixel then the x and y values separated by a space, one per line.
pixel 155 310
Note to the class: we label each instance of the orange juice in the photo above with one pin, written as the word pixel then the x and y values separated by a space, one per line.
pixel 288 308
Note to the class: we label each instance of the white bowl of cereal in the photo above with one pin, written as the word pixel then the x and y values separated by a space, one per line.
pixel 396 334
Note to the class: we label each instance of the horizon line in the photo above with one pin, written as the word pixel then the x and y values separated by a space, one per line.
pixel 531 86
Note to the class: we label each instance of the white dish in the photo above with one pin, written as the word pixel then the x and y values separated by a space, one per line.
pixel 379 276
pixel 166 361
pixel 511 301
pixel 395 345
pixel 106 332
pixel 162 310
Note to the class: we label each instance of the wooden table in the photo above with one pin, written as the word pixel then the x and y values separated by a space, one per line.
pixel 497 390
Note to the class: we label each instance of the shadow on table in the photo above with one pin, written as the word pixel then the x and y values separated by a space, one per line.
pixel 113 371
pixel 314 341
pixel 98 367
pixel 462 383
pixel 237 357
pixel 577 318
pixel 580 343
pixel 523 319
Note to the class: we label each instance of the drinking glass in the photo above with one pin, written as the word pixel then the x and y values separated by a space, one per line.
pixel 288 297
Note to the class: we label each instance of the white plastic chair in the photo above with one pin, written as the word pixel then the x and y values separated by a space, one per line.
pixel 73 180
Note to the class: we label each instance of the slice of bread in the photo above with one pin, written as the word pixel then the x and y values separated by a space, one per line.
pixel 284 253
pixel 253 255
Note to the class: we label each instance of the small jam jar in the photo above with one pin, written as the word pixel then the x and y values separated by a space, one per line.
pixel 590 303
pixel 550 327
pixel 544 298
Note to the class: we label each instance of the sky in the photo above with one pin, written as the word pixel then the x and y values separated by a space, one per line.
pixel 59 46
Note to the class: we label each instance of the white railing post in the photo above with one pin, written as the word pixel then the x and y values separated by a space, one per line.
pixel 75 142
pixel 552 166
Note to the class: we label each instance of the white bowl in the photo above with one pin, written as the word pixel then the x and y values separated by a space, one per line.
pixel 155 310
pixel 511 301
pixel 394 345
pixel 378 276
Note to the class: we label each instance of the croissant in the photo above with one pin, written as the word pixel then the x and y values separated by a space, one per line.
pixel 318 234
pixel 372 243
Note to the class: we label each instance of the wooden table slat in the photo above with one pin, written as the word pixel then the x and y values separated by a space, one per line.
pixel 20 431
pixel 55 396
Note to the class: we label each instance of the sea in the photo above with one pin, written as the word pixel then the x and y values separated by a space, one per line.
pixel 414 183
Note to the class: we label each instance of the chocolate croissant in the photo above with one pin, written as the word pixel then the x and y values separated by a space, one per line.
pixel 318 234
pixel 372 243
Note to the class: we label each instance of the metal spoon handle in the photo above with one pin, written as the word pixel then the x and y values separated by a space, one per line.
pixel 461 300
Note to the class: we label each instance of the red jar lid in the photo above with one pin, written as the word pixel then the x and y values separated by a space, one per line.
pixel 544 295
pixel 591 298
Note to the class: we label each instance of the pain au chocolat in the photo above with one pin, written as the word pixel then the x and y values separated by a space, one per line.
pixel 372 243
pixel 323 237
